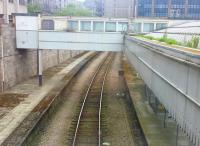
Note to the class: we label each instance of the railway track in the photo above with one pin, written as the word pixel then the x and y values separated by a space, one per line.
pixel 87 130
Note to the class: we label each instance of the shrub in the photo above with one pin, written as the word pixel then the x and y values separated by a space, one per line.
pixel 149 37
pixel 171 41
pixel 193 43
pixel 162 39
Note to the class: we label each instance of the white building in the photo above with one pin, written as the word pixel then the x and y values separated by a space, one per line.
pixel 50 6
pixel 7 7
pixel 119 8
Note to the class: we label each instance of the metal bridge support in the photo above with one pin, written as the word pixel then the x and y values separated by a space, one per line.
pixel 39 66
pixel 165 115
pixel 177 134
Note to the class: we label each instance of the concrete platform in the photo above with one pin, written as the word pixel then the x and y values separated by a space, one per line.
pixel 32 95
pixel 152 124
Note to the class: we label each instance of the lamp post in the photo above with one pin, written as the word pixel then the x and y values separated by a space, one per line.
pixel 136 7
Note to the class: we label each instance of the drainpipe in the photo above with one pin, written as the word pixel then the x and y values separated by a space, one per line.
pixel 2 65
pixel 39 55
pixel 5 11
pixel 16 2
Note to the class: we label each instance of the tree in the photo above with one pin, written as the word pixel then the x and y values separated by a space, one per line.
pixel 72 10
pixel 34 8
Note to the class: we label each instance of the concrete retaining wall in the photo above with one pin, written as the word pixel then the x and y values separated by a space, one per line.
pixel 18 65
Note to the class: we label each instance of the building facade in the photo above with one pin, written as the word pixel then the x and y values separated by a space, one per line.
pixel 7 7
pixel 96 6
pixel 50 6
pixel 119 8
pixel 173 9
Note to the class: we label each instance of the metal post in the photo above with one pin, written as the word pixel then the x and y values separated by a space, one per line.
pixel 5 11
pixel 153 7
pixel 39 62
pixel 165 115
pixel 177 131
pixel 2 64
pixel 70 54
pixel 149 97
pixel 156 105
pixel 136 6
pixel 146 92
pixel 58 56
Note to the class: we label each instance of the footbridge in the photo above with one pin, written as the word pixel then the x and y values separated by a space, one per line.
pixel 171 72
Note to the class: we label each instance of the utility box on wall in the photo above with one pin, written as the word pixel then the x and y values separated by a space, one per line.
pixel 27 32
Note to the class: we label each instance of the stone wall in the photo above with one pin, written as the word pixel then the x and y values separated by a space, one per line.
pixel 18 65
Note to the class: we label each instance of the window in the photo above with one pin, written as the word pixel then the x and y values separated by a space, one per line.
pixel 144 8
pixel 111 26
pixel 47 25
pixel 137 27
pixel 85 25
pixel 10 18
pixel 122 26
pixel 11 1
pixel 98 26
pixel 177 9
pixel 148 27
pixel 1 19
pixel 194 9
pixel 22 2
pixel 161 8
pixel 72 26
pixel 160 26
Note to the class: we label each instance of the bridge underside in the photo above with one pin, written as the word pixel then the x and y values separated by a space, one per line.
pixel 70 40
pixel 31 35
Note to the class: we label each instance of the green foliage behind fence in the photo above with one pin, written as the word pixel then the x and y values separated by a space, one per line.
pixel 72 10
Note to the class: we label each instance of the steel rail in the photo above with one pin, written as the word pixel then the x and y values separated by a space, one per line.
pixel 85 98
pixel 101 98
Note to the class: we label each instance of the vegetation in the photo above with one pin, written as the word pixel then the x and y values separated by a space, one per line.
pixel 72 10
pixel 34 8
pixel 193 43
pixel 168 41
pixel 162 39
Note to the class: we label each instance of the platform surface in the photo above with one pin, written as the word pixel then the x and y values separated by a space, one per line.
pixel 151 124
pixel 28 94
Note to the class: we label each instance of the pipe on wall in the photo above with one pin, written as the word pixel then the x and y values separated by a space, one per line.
pixel 2 64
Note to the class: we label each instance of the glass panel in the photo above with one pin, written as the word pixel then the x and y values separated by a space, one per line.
pixel 137 27
pixel 111 26
pixel 98 26
pixel 148 27
pixel 72 26
pixel 85 25
pixel 194 9
pixel 122 26
pixel 144 8
pixel 161 26
pixel 161 8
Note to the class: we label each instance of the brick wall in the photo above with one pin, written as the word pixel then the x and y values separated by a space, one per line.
pixel 18 64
